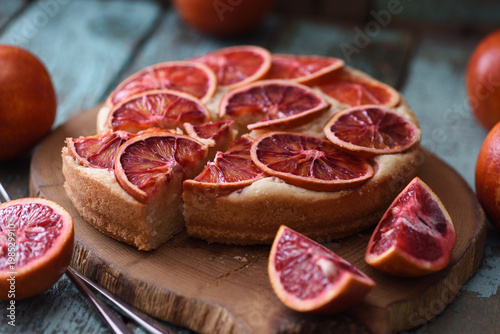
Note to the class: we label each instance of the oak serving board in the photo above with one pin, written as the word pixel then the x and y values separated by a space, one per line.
pixel 214 288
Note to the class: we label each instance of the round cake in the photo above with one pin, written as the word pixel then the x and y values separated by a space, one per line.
pixel 306 142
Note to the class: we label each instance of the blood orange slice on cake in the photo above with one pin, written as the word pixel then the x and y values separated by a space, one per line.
pixel 36 242
pixel 188 77
pixel 163 109
pixel 309 162
pixel 369 130
pixel 97 151
pixel 352 89
pixel 149 161
pixel 230 170
pixel 237 65
pixel 308 277
pixel 301 69
pixel 416 235
pixel 272 105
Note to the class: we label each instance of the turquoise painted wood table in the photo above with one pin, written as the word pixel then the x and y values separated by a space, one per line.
pixel 89 46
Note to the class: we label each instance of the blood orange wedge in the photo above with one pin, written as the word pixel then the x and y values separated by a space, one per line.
pixel 370 130
pixel 151 160
pixel 188 77
pixel 309 162
pixel 163 109
pixel 237 65
pixel 272 104
pixel 97 151
pixel 301 69
pixel 213 134
pixel 36 246
pixel 353 89
pixel 230 170
pixel 415 236
pixel 308 277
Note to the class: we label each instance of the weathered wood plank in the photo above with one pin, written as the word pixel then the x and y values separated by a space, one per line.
pixel 448 14
pixel 9 9
pixel 380 52
pixel 435 89
pixel 90 41
pixel 173 40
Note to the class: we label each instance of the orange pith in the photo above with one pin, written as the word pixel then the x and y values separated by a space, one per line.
pixel 151 160
pixel 238 65
pixel 163 109
pixel 415 236
pixel 272 104
pixel 301 69
pixel 43 233
pixel 230 170
pixel 188 77
pixel 307 277
pixel 309 162
pixel 97 151
pixel 371 130
pixel 354 90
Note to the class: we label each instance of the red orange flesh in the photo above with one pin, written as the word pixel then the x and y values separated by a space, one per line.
pixel 308 277
pixel 415 236
pixel 36 246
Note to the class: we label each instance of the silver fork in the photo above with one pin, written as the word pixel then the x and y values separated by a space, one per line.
pixel 115 323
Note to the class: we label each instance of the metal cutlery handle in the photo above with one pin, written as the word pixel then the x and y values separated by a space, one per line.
pixel 116 324
pixel 148 323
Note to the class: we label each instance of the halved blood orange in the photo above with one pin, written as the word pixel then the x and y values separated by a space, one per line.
pixel 36 246
pixel 301 68
pixel 163 109
pixel 149 161
pixel 415 236
pixel 353 89
pixel 308 277
pixel 309 162
pixel 188 77
pixel 370 130
pixel 230 170
pixel 272 104
pixel 213 134
pixel 237 65
pixel 97 151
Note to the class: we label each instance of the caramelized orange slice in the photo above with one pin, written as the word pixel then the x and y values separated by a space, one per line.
pixel 309 162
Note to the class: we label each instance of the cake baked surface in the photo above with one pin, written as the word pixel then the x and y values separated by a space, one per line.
pixel 247 212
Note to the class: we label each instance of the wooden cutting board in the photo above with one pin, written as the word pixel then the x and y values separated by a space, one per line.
pixel 219 288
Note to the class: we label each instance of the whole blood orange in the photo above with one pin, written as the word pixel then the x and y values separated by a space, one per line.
pixel 483 80
pixel 27 101
pixel 415 236
pixel 222 17
pixel 488 175
pixel 308 277
pixel 36 246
